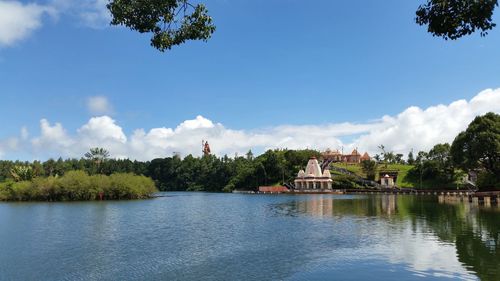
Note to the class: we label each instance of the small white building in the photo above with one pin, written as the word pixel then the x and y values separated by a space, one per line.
pixel 313 178
pixel 387 181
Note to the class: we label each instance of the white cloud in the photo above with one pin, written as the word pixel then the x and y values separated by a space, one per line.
pixel 415 128
pixel 18 20
pixel 99 105
pixel 53 140
pixel 199 123
pixel 102 129
pixel 92 13
pixel 421 129
pixel 95 14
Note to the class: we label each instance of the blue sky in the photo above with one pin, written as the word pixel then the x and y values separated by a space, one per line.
pixel 270 63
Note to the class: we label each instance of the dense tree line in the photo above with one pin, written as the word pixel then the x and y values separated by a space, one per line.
pixel 474 151
pixel 208 173
pixel 59 167
pixel 436 167
pixel 478 149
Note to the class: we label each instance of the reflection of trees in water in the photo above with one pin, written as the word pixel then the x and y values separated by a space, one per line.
pixel 474 231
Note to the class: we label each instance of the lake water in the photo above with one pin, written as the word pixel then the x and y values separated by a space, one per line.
pixel 200 236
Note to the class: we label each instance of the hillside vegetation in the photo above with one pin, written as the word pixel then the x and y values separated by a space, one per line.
pixel 405 177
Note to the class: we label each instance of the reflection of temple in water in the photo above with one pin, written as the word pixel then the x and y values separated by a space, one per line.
pixel 320 207
pixel 388 204
pixel 329 207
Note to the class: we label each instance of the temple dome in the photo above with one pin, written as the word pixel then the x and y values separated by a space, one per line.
pixel 301 174
pixel 327 174
pixel 313 168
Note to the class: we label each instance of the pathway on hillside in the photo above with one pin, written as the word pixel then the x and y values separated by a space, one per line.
pixel 358 178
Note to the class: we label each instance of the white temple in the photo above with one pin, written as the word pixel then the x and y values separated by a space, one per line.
pixel 313 178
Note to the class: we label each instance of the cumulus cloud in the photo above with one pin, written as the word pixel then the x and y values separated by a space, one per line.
pixel 18 20
pixel 102 129
pixel 99 105
pixel 53 139
pixel 421 129
pixel 414 128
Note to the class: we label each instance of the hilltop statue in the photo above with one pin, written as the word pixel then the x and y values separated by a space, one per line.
pixel 206 148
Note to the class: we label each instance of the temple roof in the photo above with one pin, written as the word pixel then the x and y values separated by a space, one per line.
pixel 326 173
pixel 313 168
pixel 301 174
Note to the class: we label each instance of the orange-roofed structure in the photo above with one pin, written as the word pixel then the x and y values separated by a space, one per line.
pixel 273 189
pixel 353 158
pixel 365 157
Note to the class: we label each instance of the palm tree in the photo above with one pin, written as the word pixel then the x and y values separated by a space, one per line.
pixel 22 173
pixel 97 155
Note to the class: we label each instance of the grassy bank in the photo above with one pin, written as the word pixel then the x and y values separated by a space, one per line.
pixel 404 179
pixel 79 186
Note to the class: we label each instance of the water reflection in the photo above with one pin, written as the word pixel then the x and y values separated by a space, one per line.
pixel 438 236
pixel 199 236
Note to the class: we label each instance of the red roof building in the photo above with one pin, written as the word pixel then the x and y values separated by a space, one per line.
pixel 273 189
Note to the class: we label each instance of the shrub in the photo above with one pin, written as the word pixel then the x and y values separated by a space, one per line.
pixel 129 186
pixel 75 185
pixel 5 191
pixel 48 189
pixel 22 191
pixel 78 186
pixel 99 184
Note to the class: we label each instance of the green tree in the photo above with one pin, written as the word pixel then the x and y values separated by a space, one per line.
pixel 271 163
pixel 411 158
pixel 439 159
pixel 249 155
pixel 398 158
pixel 172 22
pixel 369 167
pixel 478 148
pixel 22 173
pixel 388 156
pixel 435 167
pixel 452 19
pixel 97 156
